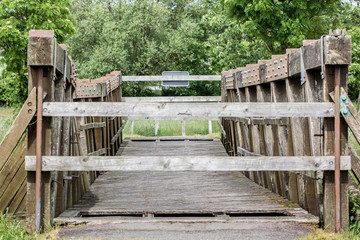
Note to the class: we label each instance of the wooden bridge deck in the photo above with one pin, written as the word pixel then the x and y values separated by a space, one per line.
pixel 191 194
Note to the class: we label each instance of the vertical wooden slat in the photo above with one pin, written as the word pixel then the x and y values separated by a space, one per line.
pixel 329 188
pixel 294 92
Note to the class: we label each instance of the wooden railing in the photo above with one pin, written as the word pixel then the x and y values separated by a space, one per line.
pixel 304 75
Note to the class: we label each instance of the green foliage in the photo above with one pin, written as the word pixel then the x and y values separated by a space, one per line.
pixel 229 43
pixel 11 229
pixel 283 24
pixel 138 37
pixel 13 89
pixel 354 205
pixel 354 68
pixel 17 18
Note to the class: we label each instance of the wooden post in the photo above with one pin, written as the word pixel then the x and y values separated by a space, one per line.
pixel 329 180
pixel 183 128
pixel 156 127
pixel 210 126
pixel 278 94
pixel 40 42
pixel 131 130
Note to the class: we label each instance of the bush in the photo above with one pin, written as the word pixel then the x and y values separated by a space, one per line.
pixel 13 89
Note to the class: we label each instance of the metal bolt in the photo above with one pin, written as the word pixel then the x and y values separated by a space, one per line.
pixel 29 104
pixel 343 98
pixel 317 165
pixel 30 111
pixel 345 111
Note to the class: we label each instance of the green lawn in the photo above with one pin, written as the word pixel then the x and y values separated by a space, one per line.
pixel 146 128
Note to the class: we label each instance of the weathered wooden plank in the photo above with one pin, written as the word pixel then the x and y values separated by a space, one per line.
pixel 118 134
pixel 349 113
pixel 92 125
pixel 171 78
pixel 13 166
pixel 355 162
pixel 18 198
pixel 329 136
pixel 186 163
pixel 337 50
pixel 98 152
pixel 41 48
pixel 189 109
pixel 184 193
pixel 13 187
pixel 245 152
pixel 18 127
pixel 173 99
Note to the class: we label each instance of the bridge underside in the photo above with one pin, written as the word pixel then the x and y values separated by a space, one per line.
pixel 181 196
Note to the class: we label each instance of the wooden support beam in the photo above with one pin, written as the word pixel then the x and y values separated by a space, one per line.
pixel 245 152
pixel 92 125
pixel 18 127
pixel 187 163
pixel 171 78
pixel 329 181
pixel 189 109
pixel 349 113
pixel 97 153
pixel 118 134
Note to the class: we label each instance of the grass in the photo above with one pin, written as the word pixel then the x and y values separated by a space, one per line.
pixel 7 116
pixel 320 234
pixel 10 228
pixel 146 128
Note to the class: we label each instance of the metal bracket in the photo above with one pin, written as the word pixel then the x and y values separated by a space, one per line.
pixel 322 57
pixel 302 76
pixel 343 108
pixel 65 73
pixel 55 63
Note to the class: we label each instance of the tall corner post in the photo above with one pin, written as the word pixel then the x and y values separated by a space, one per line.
pixel 337 57
pixel 40 60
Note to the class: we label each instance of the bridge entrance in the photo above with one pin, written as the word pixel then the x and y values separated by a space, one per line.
pixel 282 135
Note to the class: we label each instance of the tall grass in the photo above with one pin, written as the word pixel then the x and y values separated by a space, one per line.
pixel 7 116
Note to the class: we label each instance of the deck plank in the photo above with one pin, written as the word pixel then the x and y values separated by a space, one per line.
pixel 178 193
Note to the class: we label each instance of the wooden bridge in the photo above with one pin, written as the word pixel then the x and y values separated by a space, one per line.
pixel 283 152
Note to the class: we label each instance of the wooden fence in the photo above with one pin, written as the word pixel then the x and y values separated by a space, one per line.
pixel 67 136
pixel 300 75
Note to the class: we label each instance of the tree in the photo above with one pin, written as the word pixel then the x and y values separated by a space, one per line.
pixel 349 18
pixel 138 37
pixel 284 24
pixel 229 44
pixel 17 18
